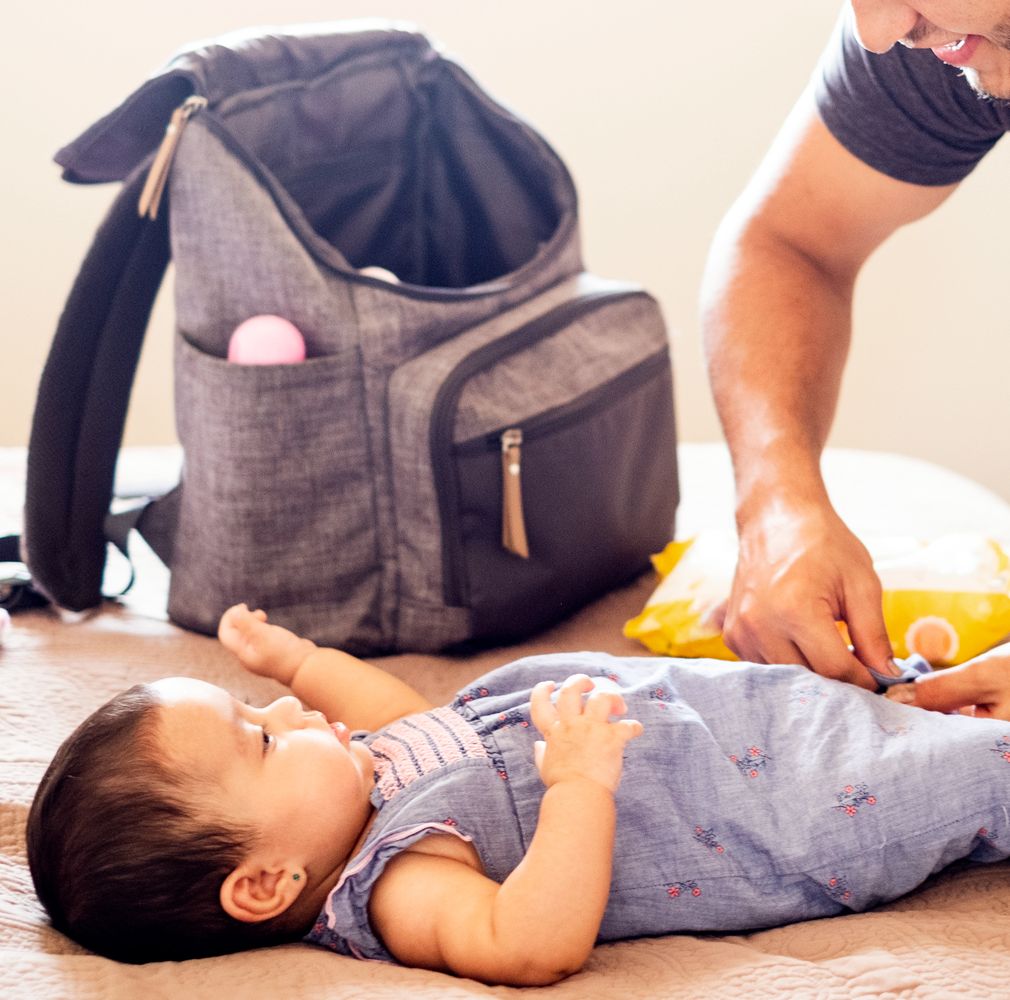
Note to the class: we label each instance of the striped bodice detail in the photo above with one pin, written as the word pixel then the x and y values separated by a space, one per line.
pixel 419 744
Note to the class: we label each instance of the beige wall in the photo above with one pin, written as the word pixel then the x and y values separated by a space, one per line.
pixel 661 110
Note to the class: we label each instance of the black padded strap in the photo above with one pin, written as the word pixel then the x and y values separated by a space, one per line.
pixel 82 401
pixel 10 548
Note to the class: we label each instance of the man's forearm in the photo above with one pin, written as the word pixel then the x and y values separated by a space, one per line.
pixel 776 331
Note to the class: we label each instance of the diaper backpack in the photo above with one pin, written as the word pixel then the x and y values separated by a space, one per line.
pixel 480 438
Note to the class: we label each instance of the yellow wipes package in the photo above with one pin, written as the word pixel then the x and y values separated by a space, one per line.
pixel 947 599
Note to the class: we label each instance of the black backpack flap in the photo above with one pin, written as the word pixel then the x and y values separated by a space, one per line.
pixel 82 401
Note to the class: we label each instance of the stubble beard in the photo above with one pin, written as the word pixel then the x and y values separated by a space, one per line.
pixel 1000 37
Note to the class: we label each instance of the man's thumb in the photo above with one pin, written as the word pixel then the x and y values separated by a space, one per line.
pixel 871 643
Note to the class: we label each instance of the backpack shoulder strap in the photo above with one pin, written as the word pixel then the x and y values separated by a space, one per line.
pixel 83 394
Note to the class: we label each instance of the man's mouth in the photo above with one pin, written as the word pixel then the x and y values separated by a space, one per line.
pixel 958 52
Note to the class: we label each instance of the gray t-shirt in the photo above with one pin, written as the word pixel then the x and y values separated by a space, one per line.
pixel 905 113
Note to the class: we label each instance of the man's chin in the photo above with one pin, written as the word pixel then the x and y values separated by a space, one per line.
pixel 987 88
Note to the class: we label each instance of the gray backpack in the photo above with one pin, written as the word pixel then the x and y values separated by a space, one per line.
pixel 471 449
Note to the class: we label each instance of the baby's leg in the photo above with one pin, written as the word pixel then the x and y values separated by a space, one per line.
pixel 262 648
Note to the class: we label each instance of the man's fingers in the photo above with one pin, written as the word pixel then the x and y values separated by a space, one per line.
pixel 865 621
pixel 767 648
pixel 952 689
pixel 821 649
pixel 828 656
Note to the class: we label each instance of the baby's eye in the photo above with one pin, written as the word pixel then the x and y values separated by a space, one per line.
pixel 267 739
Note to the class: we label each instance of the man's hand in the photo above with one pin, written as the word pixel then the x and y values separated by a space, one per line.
pixel 580 741
pixel 801 571
pixel 979 687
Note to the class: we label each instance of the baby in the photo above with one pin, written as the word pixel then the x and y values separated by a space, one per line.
pixel 501 837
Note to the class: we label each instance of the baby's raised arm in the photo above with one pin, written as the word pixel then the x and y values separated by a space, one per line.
pixel 339 685
pixel 541 923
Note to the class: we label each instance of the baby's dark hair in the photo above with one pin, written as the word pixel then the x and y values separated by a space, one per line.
pixel 119 861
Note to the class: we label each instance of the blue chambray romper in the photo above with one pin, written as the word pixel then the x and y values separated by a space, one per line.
pixel 757 796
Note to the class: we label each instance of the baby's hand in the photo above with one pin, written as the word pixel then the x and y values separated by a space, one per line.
pixel 580 741
pixel 267 650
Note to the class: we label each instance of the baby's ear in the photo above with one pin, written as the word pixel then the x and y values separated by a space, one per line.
pixel 252 893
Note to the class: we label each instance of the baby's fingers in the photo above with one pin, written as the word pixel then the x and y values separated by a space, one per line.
pixel 569 700
pixel 629 729
pixel 603 704
pixel 539 749
pixel 542 710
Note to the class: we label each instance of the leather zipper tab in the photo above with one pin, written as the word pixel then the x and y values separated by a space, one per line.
pixel 513 525
pixel 157 176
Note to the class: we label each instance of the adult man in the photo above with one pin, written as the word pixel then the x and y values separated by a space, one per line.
pixel 894 119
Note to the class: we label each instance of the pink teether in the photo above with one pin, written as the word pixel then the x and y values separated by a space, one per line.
pixel 266 340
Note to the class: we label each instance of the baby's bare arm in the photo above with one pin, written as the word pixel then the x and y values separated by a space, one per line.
pixel 541 923
pixel 339 685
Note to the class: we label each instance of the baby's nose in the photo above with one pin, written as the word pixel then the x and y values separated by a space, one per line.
pixel 288 709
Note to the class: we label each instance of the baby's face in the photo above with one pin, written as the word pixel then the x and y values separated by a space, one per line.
pixel 301 783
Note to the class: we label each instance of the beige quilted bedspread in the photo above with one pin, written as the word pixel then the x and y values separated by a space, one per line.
pixel 949 939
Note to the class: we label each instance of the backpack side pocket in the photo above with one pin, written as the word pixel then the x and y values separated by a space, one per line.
pixel 277 504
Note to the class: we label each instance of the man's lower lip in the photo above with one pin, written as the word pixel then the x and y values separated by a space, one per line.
pixel 961 56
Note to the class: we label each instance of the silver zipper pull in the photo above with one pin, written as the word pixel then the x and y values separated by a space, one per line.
pixel 513 526
pixel 154 186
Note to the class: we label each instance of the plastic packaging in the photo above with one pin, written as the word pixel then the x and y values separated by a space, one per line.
pixel 947 599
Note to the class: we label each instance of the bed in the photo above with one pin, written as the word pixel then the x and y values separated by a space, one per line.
pixel 950 938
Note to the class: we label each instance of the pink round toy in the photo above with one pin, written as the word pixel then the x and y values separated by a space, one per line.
pixel 266 340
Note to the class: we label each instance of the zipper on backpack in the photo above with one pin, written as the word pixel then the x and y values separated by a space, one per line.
pixel 513 524
pixel 444 411
pixel 157 176
pixel 587 405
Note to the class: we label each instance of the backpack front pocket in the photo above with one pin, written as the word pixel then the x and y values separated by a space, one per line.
pixel 555 512
pixel 584 374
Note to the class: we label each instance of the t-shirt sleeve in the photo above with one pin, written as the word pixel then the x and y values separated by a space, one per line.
pixel 904 112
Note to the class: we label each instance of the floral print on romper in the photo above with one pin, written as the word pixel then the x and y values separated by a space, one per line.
pixel 708 839
pixel 1002 747
pixel 750 762
pixel 837 888
pixel 852 797
pixel 675 889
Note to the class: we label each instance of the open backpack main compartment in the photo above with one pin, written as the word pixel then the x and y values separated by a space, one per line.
pixel 472 449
